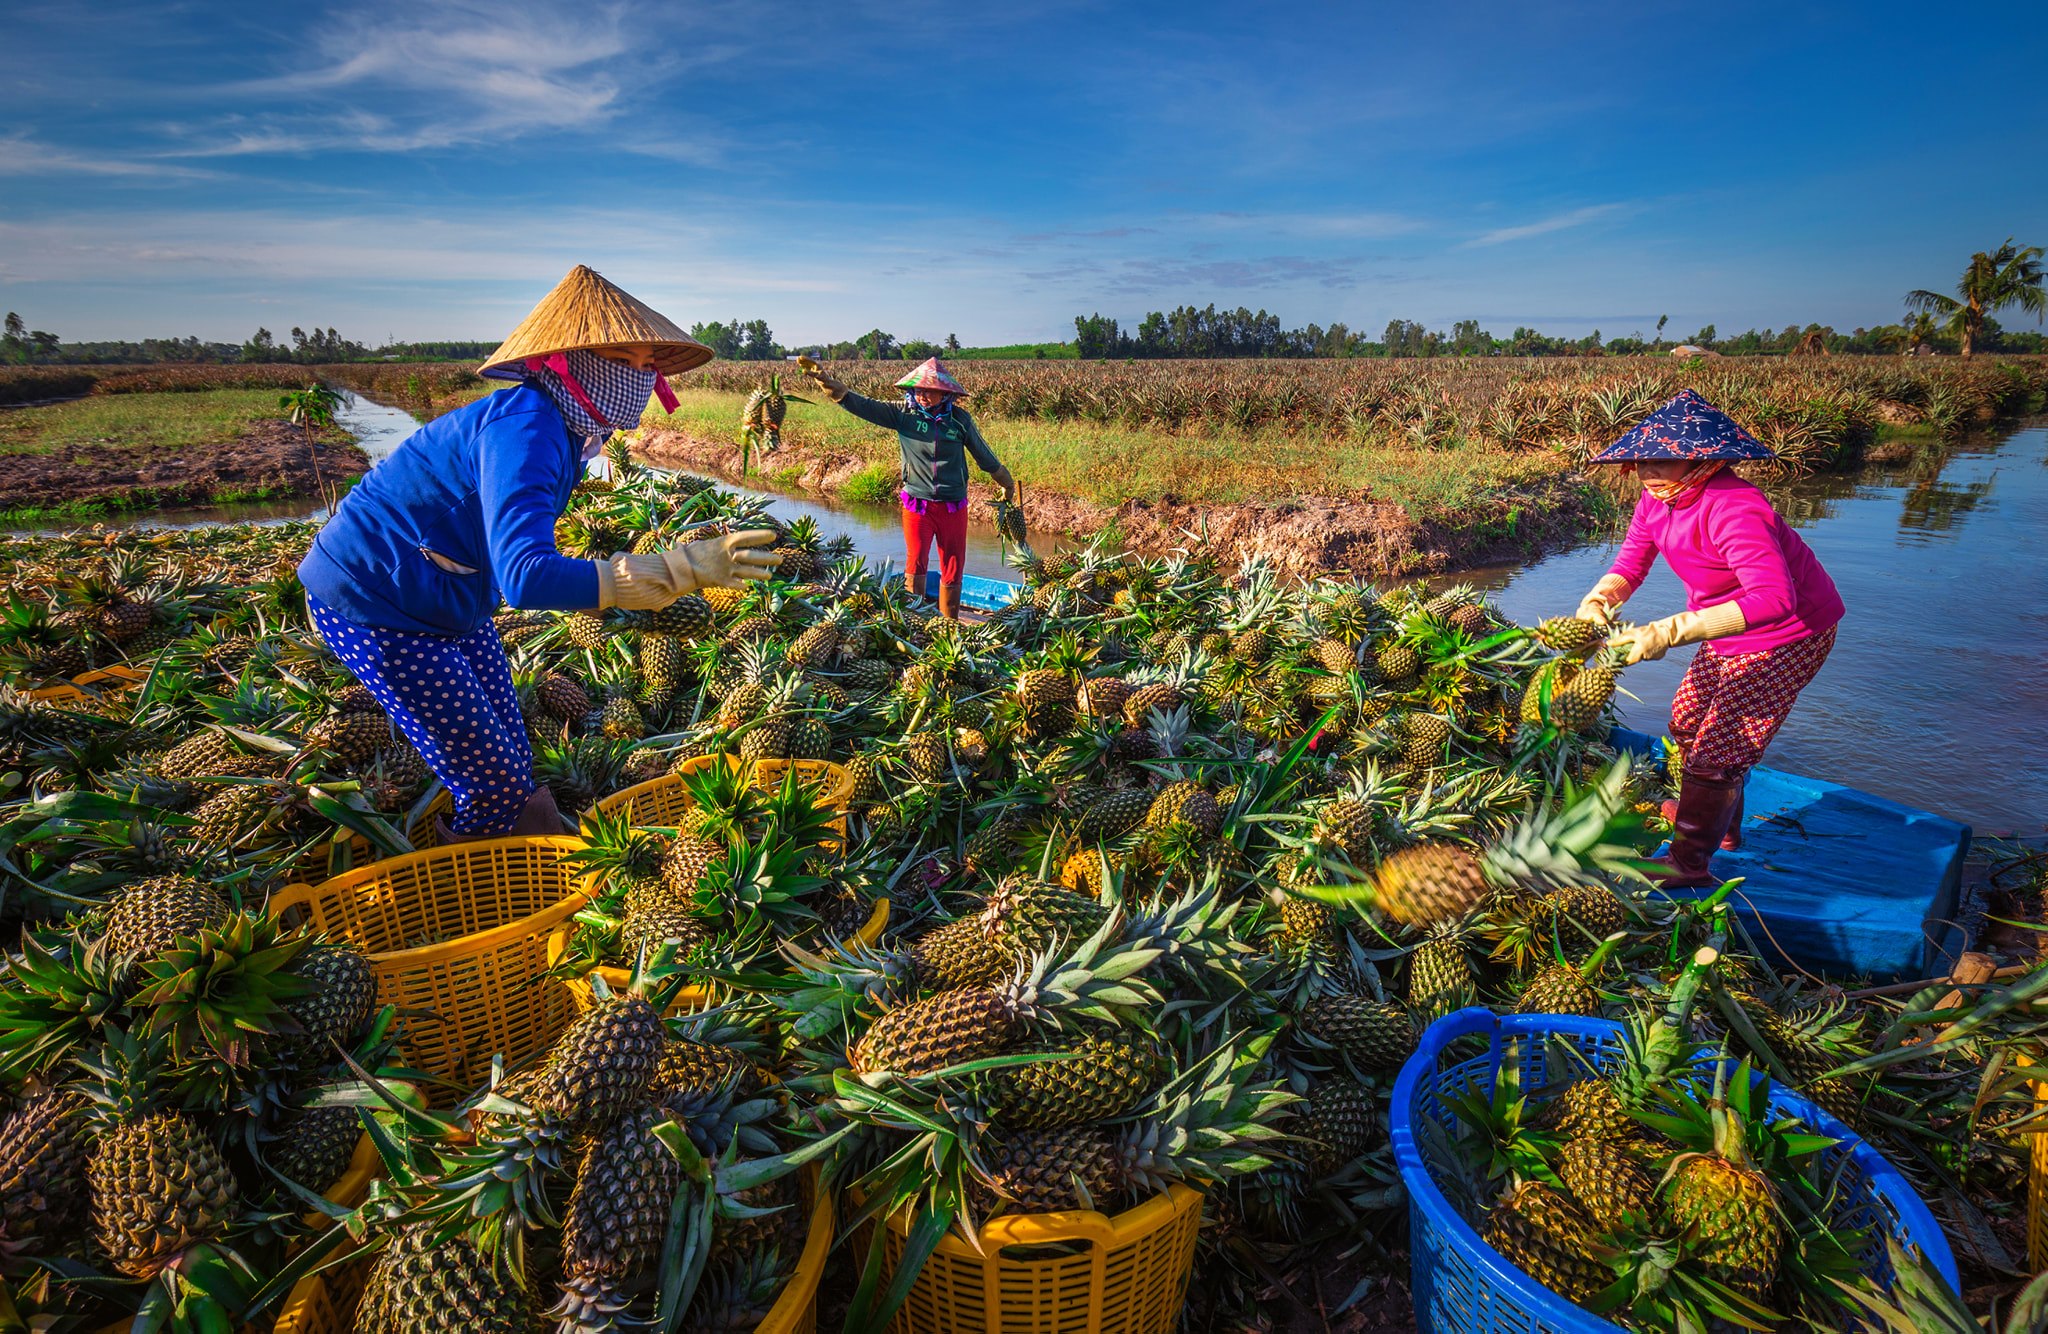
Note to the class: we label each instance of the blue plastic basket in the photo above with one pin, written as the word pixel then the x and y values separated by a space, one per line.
pixel 1463 1286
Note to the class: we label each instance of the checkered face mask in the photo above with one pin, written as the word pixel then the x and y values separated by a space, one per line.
pixel 596 395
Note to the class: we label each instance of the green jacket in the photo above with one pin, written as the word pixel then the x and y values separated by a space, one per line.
pixel 934 466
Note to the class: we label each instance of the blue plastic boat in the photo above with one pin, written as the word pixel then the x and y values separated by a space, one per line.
pixel 1835 881
pixel 1840 882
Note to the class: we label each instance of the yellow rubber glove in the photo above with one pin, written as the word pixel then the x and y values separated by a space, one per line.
pixel 832 385
pixel 1652 641
pixel 1606 598
pixel 652 581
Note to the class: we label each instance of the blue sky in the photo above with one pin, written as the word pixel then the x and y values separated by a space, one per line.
pixel 428 169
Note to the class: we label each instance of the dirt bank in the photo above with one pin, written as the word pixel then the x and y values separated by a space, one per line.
pixel 1303 535
pixel 269 460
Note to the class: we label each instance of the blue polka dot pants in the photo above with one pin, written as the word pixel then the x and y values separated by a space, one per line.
pixel 453 698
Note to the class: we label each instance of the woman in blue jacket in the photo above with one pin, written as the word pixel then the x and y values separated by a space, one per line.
pixel 403 580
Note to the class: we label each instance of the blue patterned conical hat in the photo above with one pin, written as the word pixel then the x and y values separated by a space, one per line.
pixel 1689 428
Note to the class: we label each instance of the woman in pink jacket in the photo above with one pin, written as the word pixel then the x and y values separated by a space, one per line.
pixel 1759 605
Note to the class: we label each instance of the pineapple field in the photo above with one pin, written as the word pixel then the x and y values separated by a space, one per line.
pixel 1146 887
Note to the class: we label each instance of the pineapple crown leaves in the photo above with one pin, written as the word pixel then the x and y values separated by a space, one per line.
pixel 1212 1121
pixel 59 992
pixel 1099 979
pixel 769 880
pixel 1589 832
pixel 208 995
pixel 614 853
pixel 1505 1144
pixel 1922 1302
pixel 121 1076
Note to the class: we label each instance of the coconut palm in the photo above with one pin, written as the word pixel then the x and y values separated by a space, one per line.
pixel 2011 276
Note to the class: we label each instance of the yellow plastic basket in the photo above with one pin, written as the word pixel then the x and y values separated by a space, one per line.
pixel 457 938
pixel 663 800
pixel 689 999
pixel 1093 1274
pixel 2037 1192
pixel 115 680
pixel 325 1303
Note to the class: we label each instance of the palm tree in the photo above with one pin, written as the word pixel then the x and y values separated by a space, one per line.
pixel 2010 277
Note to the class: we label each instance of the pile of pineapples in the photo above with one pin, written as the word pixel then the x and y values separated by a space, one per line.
pixel 638 1172
pixel 1179 861
pixel 181 1077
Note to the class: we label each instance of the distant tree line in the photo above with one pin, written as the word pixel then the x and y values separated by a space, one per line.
pixel 1190 333
pixel 736 340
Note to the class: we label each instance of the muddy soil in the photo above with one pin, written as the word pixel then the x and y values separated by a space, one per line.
pixel 269 456
pixel 1300 537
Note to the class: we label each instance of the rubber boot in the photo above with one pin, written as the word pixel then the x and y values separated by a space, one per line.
pixel 541 818
pixel 1706 803
pixel 949 601
pixel 1730 841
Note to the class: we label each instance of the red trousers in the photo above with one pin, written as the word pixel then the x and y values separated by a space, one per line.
pixel 935 524
pixel 1727 709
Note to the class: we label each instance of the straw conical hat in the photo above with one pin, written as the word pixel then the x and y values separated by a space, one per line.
pixel 586 311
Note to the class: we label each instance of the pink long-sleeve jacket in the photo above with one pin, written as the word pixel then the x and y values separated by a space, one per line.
pixel 1726 542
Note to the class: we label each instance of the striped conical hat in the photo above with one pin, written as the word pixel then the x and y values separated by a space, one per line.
pixel 931 375
pixel 586 311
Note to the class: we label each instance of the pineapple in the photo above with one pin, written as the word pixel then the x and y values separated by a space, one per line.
pixel 1611 1187
pixel 1726 1209
pixel 1566 988
pixel 971 1022
pixel 688 618
pixel 1570 636
pixel 158 1184
pixel 1544 1234
pixel 1099 1077
pixel 1424 736
pixel 1591 1110
pixel 1580 917
pixel 1103 696
pixel 342 996
pixel 1376 1035
pixel 44 1144
pixel 1440 973
pixel 147 916
pixel 424 1283
pixel 588 629
pixel 1157 697
pixel 1554 678
pixel 1340 1122
pixel 1580 704
pixel 618 1214
pixel 929 759
pixel 1186 803
pixel 602 1064
pixel 352 738
pixel 1114 814
pixel 561 697
pixel 1434 881
pixel 313 1147
pixel 1199 1128
pixel 204 753
pixel 1396 662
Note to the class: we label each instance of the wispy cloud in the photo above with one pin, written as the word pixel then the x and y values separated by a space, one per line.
pixel 21 155
pixel 1578 217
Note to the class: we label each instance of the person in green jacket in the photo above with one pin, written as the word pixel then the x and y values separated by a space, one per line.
pixel 936 437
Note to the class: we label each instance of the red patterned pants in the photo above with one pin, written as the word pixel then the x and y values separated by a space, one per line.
pixel 1727 709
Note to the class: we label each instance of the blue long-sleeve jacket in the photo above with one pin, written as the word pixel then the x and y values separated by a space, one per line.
pixel 482 487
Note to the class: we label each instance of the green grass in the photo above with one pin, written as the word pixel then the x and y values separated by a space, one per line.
pixel 136 421
pixel 1108 465
pixel 875 484
pixel 71 511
